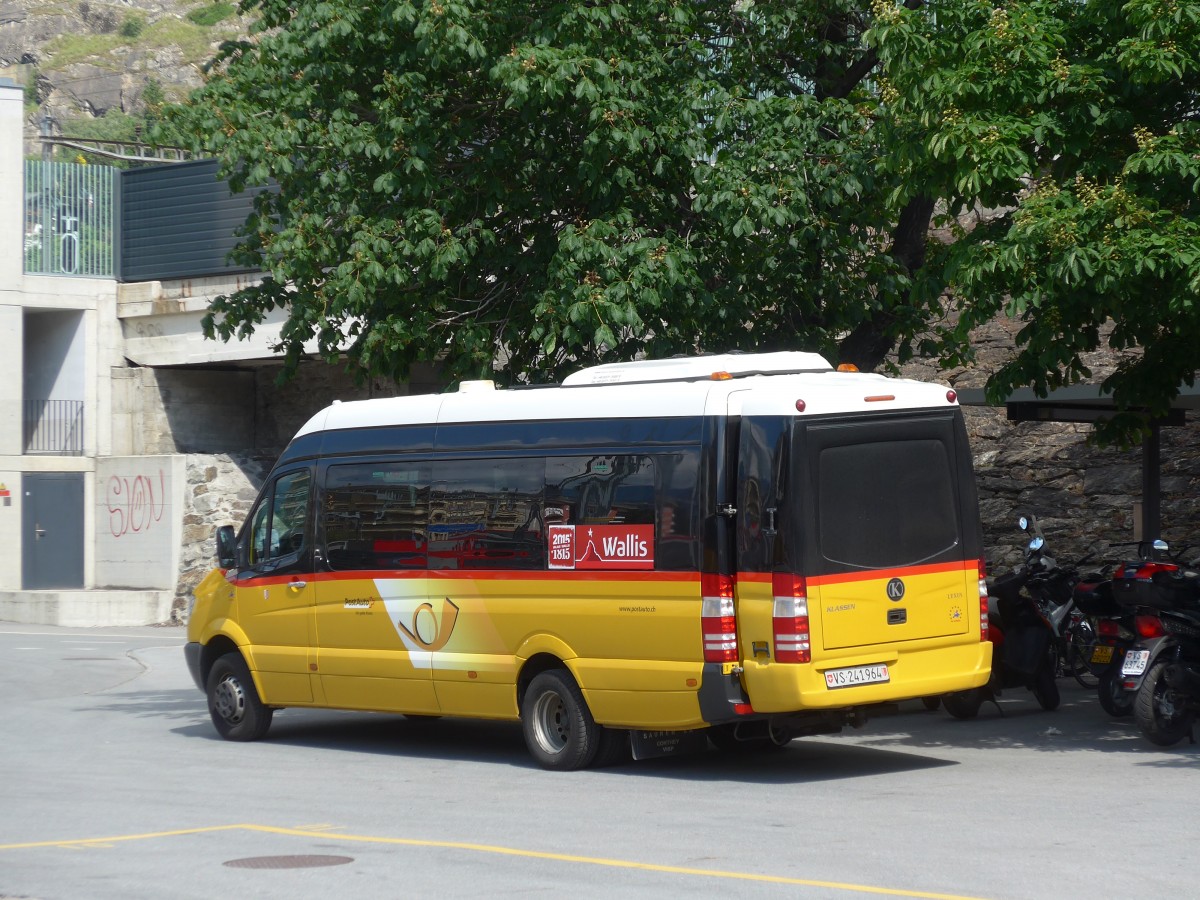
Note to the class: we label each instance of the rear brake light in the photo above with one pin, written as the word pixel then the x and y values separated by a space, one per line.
pixel 983 598
pixel 1108 628
pixel 789 620
pixel 718 624
pixel 1148 626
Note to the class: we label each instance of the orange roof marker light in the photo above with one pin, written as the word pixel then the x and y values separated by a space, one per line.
pixel 720 376
pixel 847 367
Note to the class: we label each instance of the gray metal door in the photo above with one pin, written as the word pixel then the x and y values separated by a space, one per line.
pixel 52 530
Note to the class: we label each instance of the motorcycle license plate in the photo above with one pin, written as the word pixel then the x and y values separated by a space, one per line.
pixel 1135 662
pixel 1102 653
pixel 840 678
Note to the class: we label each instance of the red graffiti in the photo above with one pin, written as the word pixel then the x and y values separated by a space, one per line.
pixel 131 503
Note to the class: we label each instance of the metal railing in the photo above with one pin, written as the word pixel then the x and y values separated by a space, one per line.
pixel 69 219
pixel 54 427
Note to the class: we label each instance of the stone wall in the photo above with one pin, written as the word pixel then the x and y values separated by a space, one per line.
pixel 222 487
pixel 1083 496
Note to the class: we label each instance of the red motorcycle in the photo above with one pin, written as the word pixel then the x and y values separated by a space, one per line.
pixel 1162 670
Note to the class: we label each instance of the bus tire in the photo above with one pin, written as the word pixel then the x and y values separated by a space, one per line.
pixel 559 729
pixel 237 712
pixel 963 704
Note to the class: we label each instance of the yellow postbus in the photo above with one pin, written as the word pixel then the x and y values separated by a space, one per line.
pixel 654 555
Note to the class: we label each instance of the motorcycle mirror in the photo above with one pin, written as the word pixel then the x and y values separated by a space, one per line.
pixel 1037 543
pixel 1023 523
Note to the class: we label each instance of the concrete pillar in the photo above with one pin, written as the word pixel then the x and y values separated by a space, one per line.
pixel 12 179
pixel 12 356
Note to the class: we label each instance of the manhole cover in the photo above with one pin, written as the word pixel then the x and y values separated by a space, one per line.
pixel 288 862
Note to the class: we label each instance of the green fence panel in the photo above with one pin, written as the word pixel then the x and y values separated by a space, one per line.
pixel 69 219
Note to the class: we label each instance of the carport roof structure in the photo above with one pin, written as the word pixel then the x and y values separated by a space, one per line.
pixel 1090 403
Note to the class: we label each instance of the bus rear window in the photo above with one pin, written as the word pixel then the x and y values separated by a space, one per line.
pixel 886 503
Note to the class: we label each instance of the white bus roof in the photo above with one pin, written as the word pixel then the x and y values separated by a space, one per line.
pixel 692 367
pixel 750 383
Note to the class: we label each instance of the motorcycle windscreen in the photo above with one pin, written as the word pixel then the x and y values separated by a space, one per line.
pixel 885 505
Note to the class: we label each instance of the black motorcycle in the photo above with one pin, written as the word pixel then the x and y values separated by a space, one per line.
pixel 1162 670
pixel 1053 585
pixel 1024 644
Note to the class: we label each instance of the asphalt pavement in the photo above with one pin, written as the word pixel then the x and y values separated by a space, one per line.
pixel 115 785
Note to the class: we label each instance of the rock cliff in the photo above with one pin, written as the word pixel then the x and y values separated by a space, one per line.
pixel 84 60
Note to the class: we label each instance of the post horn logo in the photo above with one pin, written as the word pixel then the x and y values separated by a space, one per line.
pixel 426 631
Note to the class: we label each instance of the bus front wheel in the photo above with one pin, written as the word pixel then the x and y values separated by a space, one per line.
pixel 559 729
pixel 233 702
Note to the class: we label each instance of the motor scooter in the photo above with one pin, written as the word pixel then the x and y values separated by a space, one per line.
pixel 1024 651
pixel 1113 626
pixel 1073 603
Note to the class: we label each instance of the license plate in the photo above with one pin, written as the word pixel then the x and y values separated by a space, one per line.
pixel 1102 653
pixel 840 678
pixel 1135 662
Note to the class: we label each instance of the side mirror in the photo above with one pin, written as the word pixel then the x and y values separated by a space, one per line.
pixel 1023 523
pixel 226 547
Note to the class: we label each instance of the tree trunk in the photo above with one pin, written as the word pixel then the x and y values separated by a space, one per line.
pixel 869 343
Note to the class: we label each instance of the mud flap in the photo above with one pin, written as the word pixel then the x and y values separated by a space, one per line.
pixel 651 744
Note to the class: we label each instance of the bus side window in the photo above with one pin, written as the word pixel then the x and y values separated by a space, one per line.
pixel 678 546
pixel 279 524
pixel 487 514
pixel 374 515
pixel 602 490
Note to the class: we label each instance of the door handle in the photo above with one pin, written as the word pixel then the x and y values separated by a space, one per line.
pixel 297 585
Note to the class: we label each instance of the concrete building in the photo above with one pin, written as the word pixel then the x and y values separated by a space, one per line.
pixel 90 511
pixel 125 435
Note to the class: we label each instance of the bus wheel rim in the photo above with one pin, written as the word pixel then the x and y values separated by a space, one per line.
pixel 550 722
pixel 229 700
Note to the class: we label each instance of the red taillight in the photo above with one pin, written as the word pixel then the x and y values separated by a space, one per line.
pixel 1108 628
pixel 789 619
pixel 718 623
pixel 983 598
pixel 1148 626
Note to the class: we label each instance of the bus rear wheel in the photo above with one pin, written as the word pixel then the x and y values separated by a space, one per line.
pixel 559 729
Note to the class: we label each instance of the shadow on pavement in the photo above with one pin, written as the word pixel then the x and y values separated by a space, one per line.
pixel 909 740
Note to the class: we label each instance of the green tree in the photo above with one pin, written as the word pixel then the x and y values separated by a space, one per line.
pixel 1078 122
pixel 544 185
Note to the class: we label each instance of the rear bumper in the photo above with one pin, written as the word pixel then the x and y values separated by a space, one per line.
pixel 784 687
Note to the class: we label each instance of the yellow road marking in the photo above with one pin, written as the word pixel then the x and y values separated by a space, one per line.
pixel 80 843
